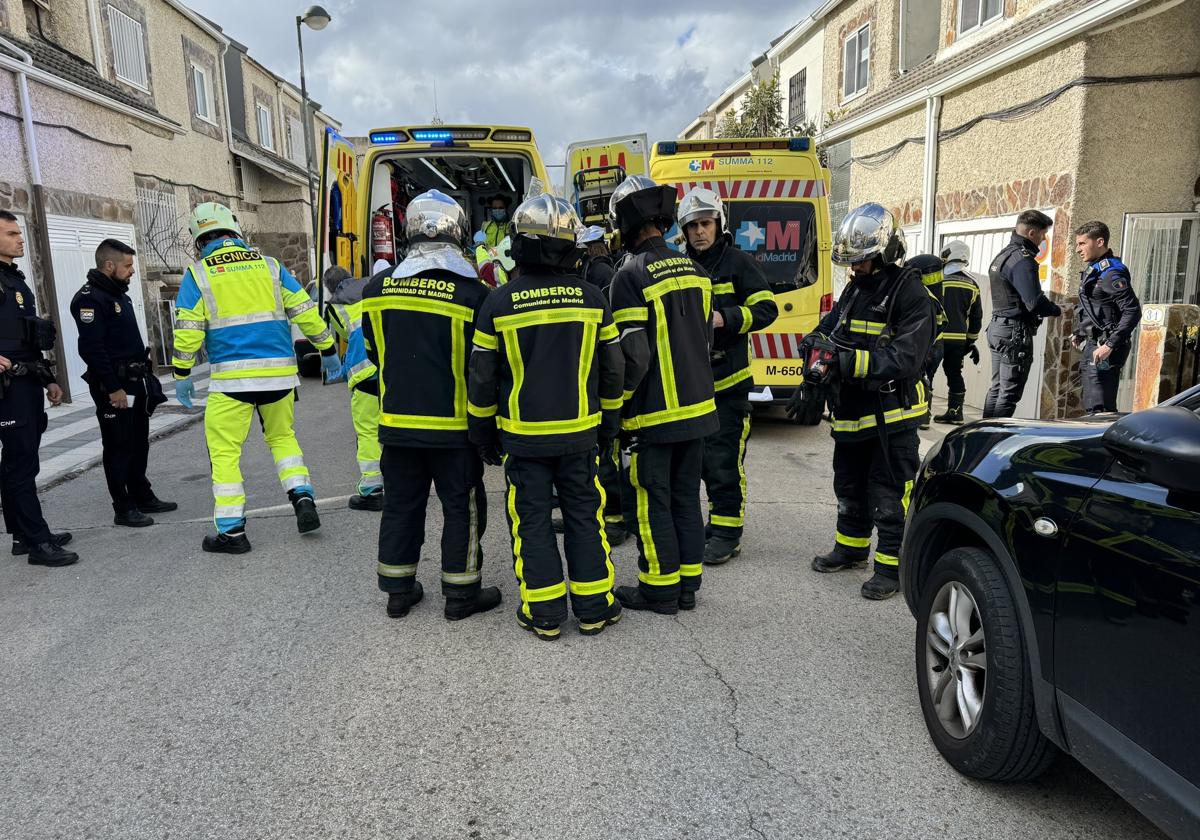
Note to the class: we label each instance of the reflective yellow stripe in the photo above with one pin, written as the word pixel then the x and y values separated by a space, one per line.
pixel 946 336
pixel 853 542
pixel 759 297
pixel 649 549
pixel 595 587
pixel 608 332
pixel 377 328
pixel 747 320
pixel 666 363
pixel 458 364
pixel 484 340
pixel 517 543
pixel 886 559
pixel 422 421
pixel 742 465
pixel 610 573
pixel 862 363
pixel 907 497
pixel 254 373
pixel 722 288
pixel 727 521
pixel 677 284
pixel 733 379
pixel 548 427
pixel 633 313
pixel 516 364
pixel 384 570
pixel 691 569
pixel 972 336
pixel 626 396
pixel 959 284
pixel 571 314
pixel 545 593
pixel 585 365
pixel 480 411
pixel 896 415
pixel 658 580
pixel 611 405
pixel 414 304
pixel 868 327
pixel 932 279
pixel 656 418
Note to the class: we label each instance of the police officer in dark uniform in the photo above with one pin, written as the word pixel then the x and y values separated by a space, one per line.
pixel 118 374
pixel 1018 307
pixel 417 328
pixel 597 266
pixel 24 374
pixel 1105 318
pixel 868 357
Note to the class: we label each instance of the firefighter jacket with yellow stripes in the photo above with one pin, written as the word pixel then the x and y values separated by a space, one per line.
pixel 417 331
pixel 345 319
pixel 546 367
pixel 961 303
pixel 237 304
pixel 884 325
pixel 662 305
pixel 744 299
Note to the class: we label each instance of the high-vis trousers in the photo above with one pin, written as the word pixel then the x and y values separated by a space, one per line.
pixel 536 561
pixel 725 468
pixel 457 475
pixel 661 497
pixel 870 495
pixel 610 481
pixel 226 424
pixel 364 409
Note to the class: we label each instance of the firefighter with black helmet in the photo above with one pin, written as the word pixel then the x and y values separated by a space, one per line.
pixel 662 305
pixel 545 388
pixel 417 328
pixel 742 304
pixel 868 357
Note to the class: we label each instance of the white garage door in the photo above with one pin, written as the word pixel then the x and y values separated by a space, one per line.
pixel 73 253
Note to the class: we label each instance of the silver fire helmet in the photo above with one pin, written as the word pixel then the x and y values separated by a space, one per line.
pixel 700 203
pixel 435 216
pixel 546 215
pixel 866 232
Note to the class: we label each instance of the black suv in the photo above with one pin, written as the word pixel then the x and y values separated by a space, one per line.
pixel 1054 572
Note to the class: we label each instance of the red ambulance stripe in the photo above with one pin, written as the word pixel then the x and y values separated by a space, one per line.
pixel 723 189
pixel 793 188
pixel 779 185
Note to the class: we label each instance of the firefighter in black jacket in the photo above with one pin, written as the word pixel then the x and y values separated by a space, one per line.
pixel 871 351
pixel 118 374
pixel 417 326
pixel 930 268
pixel 545 389
pixel 742 303
pixel 1018 307
pixel 1105 318
pixel 662 304
pixel 963 308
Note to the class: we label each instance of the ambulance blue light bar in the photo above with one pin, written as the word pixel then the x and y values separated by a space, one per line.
pixel 798 144
pixel 386 138
pixel 666 148
pixel 432 136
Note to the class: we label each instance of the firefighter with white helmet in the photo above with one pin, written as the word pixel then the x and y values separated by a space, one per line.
pixel 742 302
pixel 964 318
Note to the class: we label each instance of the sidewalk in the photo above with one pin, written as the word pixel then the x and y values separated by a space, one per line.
pixel 71 443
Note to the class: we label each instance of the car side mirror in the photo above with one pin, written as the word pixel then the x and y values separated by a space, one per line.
pixel 1160 445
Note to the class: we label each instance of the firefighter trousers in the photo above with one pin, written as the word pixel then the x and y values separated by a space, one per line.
pixel 952 366
pixel 610 481
pixel 226 425
pixel 873 483
pixel 660 493
pixel 725 468
pixel 364 410
pixel 457 476
pixel 536 561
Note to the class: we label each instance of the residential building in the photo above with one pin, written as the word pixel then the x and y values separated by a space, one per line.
pixel 704 127
pixel 130 125
pixel 959 114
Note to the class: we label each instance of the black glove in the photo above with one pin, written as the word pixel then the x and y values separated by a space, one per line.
pixel 492 454
pixel 796 404
pixel 974 354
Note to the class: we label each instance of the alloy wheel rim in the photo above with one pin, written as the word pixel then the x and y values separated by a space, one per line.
pixel 956 660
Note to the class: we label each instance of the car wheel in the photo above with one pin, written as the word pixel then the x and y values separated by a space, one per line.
pixel 973 673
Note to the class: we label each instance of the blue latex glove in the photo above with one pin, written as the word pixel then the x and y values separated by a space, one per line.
pixel 185 391
pixel 331 368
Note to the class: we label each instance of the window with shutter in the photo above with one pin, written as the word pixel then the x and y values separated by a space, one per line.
pixel 128 49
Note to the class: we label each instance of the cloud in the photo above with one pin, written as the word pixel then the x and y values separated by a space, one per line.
pixel 569 71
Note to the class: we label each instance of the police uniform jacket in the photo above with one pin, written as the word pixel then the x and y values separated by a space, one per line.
pixel 1016 285
pixel 744 298
pixel 662 305
pixel 599 272
pixel 1108 309
pixel 962 306
pixel 417 332
pixel 546 367
pixel 109 335
pixel 883 325
pixel 16 305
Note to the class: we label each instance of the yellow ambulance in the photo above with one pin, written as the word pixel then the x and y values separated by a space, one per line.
pixel 776 200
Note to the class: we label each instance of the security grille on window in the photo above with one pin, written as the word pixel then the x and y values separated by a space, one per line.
pixel 296 153
pixel 266 132
pixel 856 55
pixel 128 49
pixel 162 230
pixel 796 97
pixel 204 98
pixel 973 14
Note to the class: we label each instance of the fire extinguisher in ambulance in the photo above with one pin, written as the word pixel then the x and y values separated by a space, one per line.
pixel 383 244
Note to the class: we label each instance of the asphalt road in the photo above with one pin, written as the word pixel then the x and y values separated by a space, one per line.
pixel 156 691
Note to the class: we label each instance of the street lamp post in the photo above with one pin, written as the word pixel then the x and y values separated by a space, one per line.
pixel 316 18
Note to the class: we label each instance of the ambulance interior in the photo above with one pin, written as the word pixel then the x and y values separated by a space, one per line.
pixel 471 178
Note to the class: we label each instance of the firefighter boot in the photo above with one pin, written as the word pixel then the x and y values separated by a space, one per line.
pixel 838 560
pixel 459 608
pixel 687 600
pixel 880 587
pixel 928 411
pixel 720 549
pixel 399 603
pixel 595 628
pixel 954 411
pixel 306 511
pixel 632 598
pixel 545 632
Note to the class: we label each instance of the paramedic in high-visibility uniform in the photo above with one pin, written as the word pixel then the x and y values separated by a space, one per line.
pixel 237 304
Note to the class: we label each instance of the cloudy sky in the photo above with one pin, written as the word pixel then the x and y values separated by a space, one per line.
pixel 580 71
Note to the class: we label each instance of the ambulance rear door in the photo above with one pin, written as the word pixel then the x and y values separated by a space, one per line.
pixel 595 167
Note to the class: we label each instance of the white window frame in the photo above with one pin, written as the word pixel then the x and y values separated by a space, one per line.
pixel 202 85
pixel 297 150
pixel 958 23
pixel 861 84
pixel 127 34
pixel 267 142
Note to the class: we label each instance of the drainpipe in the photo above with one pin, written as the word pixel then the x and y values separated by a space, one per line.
pixel 933 125
pixel 45 285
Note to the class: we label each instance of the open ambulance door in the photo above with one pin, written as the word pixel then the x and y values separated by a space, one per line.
pixel 341 241
pixel 594 169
